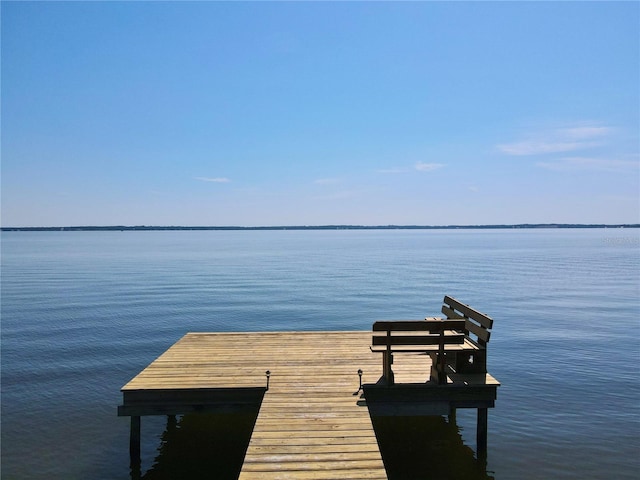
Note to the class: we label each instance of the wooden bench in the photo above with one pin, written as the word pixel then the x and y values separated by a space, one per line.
pixel 431 335
pixel 448 341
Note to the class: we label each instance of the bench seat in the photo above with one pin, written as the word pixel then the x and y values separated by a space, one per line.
pixel 467 345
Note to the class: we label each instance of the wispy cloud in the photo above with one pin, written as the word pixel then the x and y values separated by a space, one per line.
pixel 572 164
pixel 214 179
pixel 585 132
pixel 559 140
pixel 428 167
pixel 537 147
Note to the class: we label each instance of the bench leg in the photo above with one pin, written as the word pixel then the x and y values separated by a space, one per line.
pixel 387 372
pixel 438 369
pixel 435 371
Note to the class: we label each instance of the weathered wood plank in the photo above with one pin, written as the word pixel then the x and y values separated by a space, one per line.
pixel 427 325
pixel 342 474
pixel 417 339
pixel 306 462
pixel 451 313
pixel 485 320
pixel 320 448
pixel 313 441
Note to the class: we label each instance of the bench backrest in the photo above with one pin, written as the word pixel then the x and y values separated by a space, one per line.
pixel 429 333
pixel 476 323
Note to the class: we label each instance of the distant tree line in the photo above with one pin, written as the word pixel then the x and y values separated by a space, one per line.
pixel 90 228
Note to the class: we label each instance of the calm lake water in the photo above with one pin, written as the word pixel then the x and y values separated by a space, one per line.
pixel 84 312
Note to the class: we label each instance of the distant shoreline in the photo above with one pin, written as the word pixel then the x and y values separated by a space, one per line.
pixel 316 227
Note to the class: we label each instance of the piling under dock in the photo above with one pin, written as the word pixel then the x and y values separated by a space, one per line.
pixel 313 420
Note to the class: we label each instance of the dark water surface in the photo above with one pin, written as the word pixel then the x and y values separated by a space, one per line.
pixel 84 312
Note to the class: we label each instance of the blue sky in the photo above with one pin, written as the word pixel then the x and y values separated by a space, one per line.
pixel 298 113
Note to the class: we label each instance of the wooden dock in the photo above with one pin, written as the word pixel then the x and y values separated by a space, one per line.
pixel 313 420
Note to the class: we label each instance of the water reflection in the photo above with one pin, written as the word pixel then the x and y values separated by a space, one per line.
pixel 204 446
pixel 427 447
pixel 199 446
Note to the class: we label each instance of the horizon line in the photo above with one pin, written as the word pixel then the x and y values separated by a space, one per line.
pixel 318 227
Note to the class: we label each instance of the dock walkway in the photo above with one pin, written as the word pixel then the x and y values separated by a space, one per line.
pixel 310 424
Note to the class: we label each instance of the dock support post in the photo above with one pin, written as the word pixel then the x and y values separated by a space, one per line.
pixel 452 415
pixel 481 432
pixel 172 423
pixel 134 440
